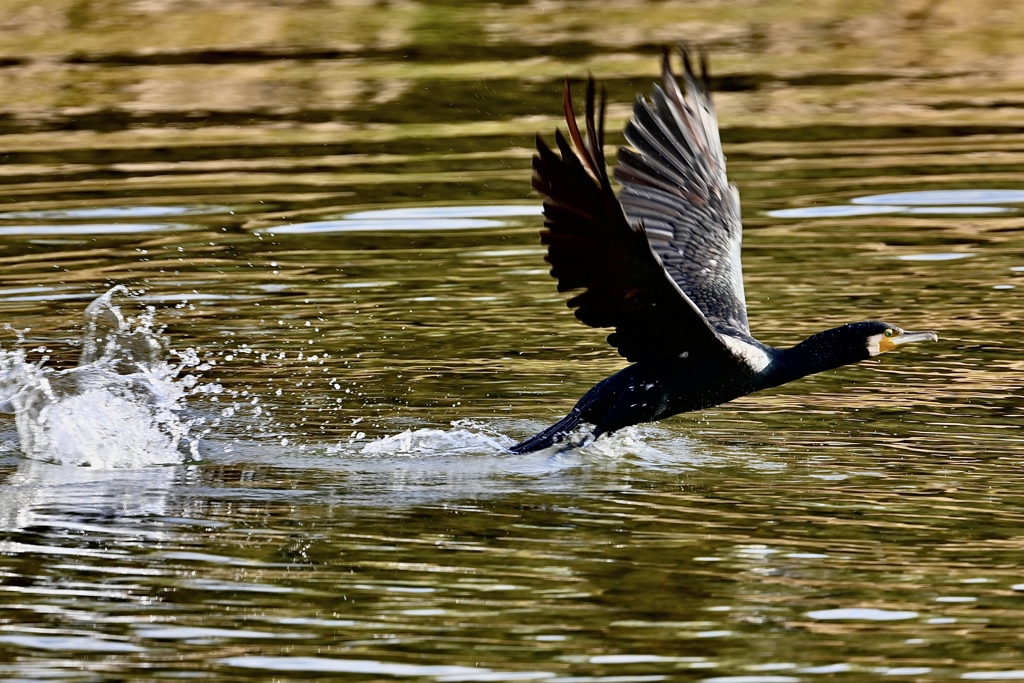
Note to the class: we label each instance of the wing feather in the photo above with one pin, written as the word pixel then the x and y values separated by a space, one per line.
pixel 593 247
pixel 674 183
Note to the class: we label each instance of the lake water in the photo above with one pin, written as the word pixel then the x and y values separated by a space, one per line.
pixel 306 233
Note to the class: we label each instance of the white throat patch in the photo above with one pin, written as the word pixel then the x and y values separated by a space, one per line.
pixel 757 359
pixel 875 344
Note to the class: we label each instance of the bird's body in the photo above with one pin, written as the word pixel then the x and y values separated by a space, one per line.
pixel 660 263
pixel 647 392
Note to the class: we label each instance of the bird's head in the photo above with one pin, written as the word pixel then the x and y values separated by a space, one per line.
pixel 880 337
pixel 859 341
pixel 844 345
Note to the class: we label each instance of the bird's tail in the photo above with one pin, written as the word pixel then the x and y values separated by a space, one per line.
pixel 550 435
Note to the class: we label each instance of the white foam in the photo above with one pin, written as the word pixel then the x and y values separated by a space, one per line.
pixel 466 436
pixel 102 427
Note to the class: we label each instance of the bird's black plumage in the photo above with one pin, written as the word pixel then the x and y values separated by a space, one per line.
pixel 660 264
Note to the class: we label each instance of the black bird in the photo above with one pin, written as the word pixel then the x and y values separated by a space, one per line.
pixel 660 263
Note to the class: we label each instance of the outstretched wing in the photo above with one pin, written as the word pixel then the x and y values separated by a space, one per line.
pixel 674 184
pixel 593 247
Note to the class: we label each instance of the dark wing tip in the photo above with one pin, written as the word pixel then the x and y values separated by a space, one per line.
pixel 705 65
pixel 542 146
pixel 588 149
pixel 570 116
pixel 701 76
pixel 684 52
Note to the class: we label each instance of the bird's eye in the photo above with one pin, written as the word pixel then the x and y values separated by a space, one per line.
pixel 888 333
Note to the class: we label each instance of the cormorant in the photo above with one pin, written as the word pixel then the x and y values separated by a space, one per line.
pixel 660 263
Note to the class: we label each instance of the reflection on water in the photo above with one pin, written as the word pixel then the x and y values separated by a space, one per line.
pixel 950 202
pixel 532 210
pixel 384 224
pixel 362 666
pixel 114 212
pixel 934 257
pixel 330 206
pixel 46 496
pixel 946 197
pixel 835 211
pixel 90 228
pixel 416 218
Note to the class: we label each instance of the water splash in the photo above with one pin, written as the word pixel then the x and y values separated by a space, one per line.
pixel 466 436
pixel 119 407
pixel 638 445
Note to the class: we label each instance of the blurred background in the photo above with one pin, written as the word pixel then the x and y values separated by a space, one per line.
pixel 117 65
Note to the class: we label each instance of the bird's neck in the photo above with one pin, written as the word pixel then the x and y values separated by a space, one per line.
pixel 817 353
